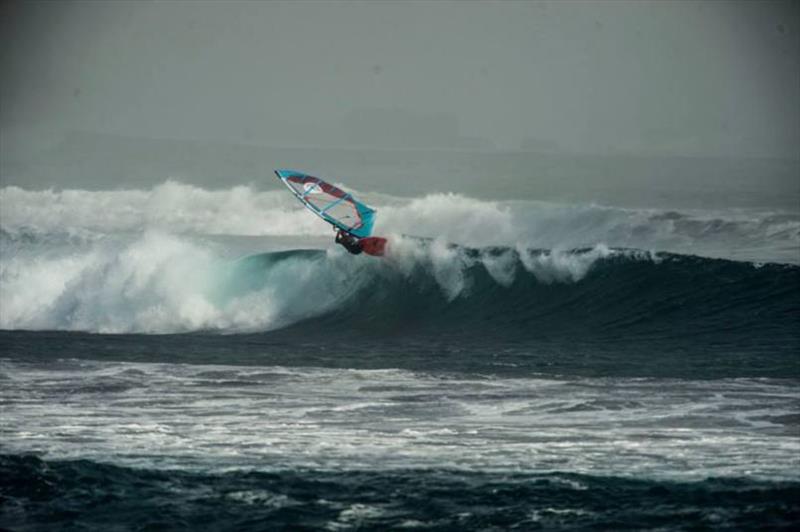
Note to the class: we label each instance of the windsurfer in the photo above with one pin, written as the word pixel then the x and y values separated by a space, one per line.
pixel 349 242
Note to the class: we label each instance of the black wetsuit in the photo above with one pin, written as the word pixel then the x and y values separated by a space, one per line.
pixel 349 242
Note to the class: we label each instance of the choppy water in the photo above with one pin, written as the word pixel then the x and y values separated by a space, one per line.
pixel 181 358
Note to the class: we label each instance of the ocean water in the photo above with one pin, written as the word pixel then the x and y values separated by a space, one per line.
pixel 180 358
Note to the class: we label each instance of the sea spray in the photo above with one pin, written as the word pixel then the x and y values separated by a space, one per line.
pixel 174 207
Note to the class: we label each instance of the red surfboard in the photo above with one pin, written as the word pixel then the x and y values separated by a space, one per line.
pixel 373 245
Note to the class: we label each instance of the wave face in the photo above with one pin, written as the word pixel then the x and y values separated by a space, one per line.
pixel 426 293
pixel 164 284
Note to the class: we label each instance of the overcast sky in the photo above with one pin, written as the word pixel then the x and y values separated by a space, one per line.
pixel 682 77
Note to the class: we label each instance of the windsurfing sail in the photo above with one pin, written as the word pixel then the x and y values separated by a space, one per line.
pixel 332 204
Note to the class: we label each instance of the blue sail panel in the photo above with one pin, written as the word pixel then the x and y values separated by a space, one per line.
pixel 332 204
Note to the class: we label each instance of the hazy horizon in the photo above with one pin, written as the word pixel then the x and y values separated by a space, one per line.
pixel 645 104
pixel 716 79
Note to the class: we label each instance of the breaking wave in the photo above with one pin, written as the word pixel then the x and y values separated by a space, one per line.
pixel 162 283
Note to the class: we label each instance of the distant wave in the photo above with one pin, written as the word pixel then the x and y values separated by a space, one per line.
pixel 242 210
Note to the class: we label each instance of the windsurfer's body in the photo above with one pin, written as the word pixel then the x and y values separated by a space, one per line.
pixel 349 242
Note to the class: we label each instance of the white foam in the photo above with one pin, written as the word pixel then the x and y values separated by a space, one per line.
pixel 225 418
pixel 242 210
pixel 171 206
pixel 502 267
pixel 158 283
pixel 453 218
pixel 559 265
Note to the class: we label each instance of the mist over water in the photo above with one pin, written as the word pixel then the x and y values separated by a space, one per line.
pixel 758 234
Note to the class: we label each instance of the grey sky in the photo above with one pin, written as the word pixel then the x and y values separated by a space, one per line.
pixel 694 78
